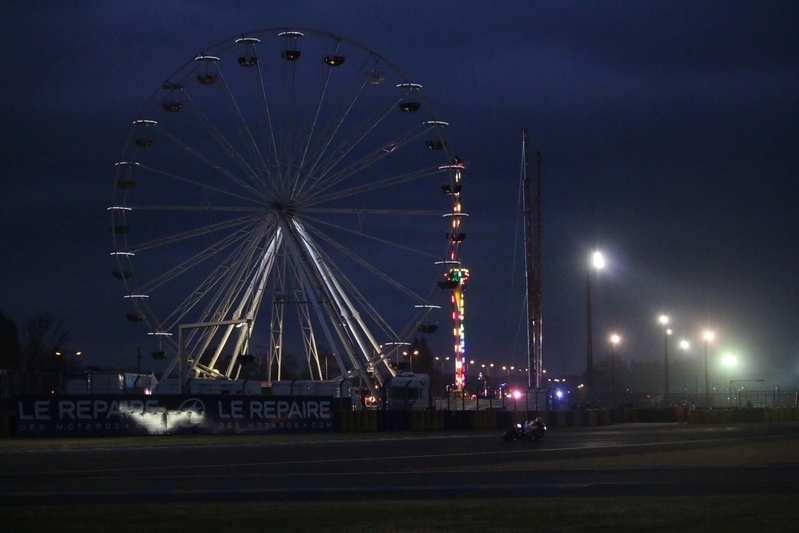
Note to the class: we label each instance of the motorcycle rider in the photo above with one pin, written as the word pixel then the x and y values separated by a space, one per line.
pixel 528 427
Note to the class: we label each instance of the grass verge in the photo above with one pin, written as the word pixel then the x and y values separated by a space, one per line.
pixel 730 514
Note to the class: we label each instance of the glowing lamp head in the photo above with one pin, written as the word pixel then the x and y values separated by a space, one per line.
pixel 597 260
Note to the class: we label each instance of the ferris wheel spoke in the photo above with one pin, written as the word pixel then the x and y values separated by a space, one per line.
pixel 238 273
pixel 197 208
pixel 341 292
pixel 356 293
pixel 195 183
pixel 214 166
pixel 271 169
pixel 322 165
pixel 375 185
pixel 367 236
pixel 191 234
pixel 248 138
pixel 196 259
pixel 325 181
pixel 297 129
pixel 230 151
pixel 372 268
pixel 224 271
pixel 350 211
pixel 315 120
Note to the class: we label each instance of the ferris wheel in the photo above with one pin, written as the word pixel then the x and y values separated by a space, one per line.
pixel 284 188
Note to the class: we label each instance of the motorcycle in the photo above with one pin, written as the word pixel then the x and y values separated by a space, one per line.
pixel 531 430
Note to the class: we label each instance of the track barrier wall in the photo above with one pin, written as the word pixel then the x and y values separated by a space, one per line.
pixel 485 420
pixel 497 419
pixel 5 425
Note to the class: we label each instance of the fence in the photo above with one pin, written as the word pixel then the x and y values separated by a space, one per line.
pixel 741 398
pixel 18 383
pixel 530 400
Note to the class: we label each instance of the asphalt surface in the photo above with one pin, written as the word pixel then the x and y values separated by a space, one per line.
pixel 630 459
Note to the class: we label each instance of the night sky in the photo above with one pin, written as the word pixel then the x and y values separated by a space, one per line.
pixel 669 133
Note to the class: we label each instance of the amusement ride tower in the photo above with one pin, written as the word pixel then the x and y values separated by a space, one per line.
pixel 455 276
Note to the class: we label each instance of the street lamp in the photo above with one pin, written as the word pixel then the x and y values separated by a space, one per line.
pixel 398 345
pixel 614 340
pixel 708 337
pixel 664 319
pixel 685 346
pixel 507 369
pixel 444 383
pixel 58 353
pixel 597 263
pixel 486 376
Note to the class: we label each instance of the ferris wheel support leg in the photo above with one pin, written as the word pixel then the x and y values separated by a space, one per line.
pixel 347 312
pixel 314 286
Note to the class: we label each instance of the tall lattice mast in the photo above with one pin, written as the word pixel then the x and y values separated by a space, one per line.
pixel 532 234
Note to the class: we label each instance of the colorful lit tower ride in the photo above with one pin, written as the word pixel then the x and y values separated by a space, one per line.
pixel 455 277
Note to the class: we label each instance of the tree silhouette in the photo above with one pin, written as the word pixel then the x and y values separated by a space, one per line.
pixel 10 351
pixel 424 362
pixel 41 337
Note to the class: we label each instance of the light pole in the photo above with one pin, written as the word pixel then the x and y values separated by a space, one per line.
pixel 664 319
pixel 507 369
pixel 487 377
pixel 729 361
pixel 614 340
pixel 685 346
pixel 443 382
pixel 466 371
pixel 398 345
pixel 738 403
pixel 597 263
pixel 708 336
pixel 59 353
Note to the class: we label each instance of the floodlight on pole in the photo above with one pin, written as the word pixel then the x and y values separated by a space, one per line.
pixel 597 263
pixel 598 260
pixel 708 336
pixel 614 340
pixel 664 319
pixel 729 361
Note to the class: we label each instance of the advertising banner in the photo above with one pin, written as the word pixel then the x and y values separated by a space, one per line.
pixel 85 416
